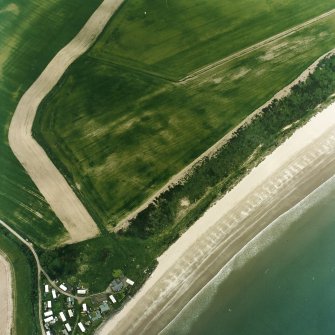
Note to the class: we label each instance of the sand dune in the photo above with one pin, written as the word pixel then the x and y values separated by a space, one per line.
pixel 284 178
pixel 31 155
pixel 6 298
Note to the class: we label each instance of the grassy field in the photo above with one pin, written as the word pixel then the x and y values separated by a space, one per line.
pixel 25 285
pixel 172 37
pixel 31 33
pixel 118 135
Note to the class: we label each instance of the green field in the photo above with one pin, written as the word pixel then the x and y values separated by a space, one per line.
pixel 25 285
pixel 31 33
pixel 173 37
pixel 118 135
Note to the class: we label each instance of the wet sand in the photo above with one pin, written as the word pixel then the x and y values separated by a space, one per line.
pixel 285 177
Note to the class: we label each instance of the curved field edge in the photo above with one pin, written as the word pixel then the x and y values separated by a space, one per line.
pixel 21 204
pixel 31 155
pixel 25 290
pixel 134 251
pixel 124 134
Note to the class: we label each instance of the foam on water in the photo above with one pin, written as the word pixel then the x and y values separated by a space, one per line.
pixel 200 302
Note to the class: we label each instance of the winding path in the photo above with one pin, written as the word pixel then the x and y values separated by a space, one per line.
pixel 51 183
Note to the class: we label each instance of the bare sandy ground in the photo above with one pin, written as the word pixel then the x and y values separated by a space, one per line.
pixel 31 155
pixel 6 297
pixel 285 177
pixel 177 178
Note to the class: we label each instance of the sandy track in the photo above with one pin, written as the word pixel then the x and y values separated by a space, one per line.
pixel 31 155
pixel 285 177
pixel 6 297
pixel 177 178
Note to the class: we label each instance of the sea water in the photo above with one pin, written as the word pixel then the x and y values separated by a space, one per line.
pixel 283 282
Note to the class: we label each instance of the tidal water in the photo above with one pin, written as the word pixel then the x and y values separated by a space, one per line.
pixel 283 282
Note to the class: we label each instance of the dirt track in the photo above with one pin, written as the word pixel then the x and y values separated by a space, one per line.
pixel 31 155
pixel 6 297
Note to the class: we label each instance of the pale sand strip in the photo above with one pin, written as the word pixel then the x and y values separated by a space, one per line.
pixel 31 155
pixel 292 171
pixel 6 297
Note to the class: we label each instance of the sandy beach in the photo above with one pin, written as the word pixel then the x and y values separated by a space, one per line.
pixel 296 168
pixel 6 298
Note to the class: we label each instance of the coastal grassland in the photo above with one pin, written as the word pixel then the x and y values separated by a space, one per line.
pixel 26 321
pixel 171 38
pixel 154 229
pixel 31 33
pixel 119 135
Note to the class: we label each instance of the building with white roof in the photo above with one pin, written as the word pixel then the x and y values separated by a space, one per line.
pixel 111 297
pixel 49 319
pixel 81 291
pixel 54 294
pixel 49 303
pixel 48 332
pixel 81 327
pixel 62 316
pixel 67 326
pixel 70 312
pixel 63 287
pixel 84 308
pixel 46 288
pixel 130 282
pixel 48 313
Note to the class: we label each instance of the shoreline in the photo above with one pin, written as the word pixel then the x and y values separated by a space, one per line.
pixel 286 176
pixel 6 294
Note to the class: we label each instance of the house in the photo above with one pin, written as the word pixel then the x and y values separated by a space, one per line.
pixel 49 303
pixel 84 308
pixel 63 287
pixel 104 307
pixel 62 316
pixel 68 327
pixel 116 285
pixel 64 332
pixel 111 297
pixel 48 313
pixel 70 302
pixel 54 294
pixel 130 282
pixel 81 327
pixel 49 319
pixel 96 315
pixel 46 288
pixel 70 312
pixel 81 291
